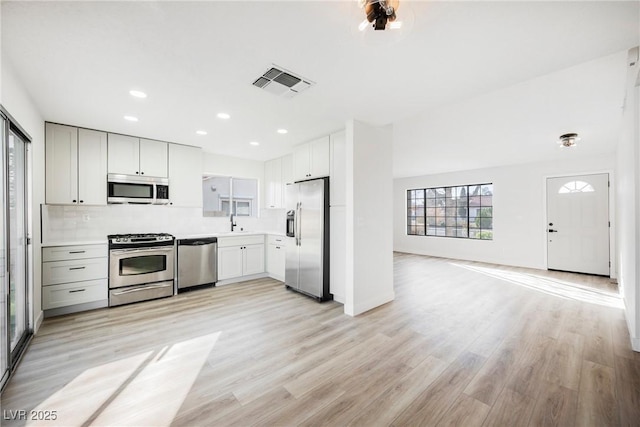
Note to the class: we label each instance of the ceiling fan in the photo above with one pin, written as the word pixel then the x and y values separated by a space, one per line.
pixel 380 12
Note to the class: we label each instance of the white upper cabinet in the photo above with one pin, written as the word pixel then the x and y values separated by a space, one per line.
pixel 76 166
pixel 312 160
pixel 319 157
pixel 338 181
pixel 301 165
pixel 92 167
pixel 287 169
pixel 185 175
pixel 277 174
pixel 134 156
pixel 154 158
pixel 273 186
pixel 124 154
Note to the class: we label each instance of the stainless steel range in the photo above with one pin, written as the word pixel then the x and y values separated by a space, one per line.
pixel 140 267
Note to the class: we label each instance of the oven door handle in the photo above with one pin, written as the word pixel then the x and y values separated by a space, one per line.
pixel 142 288
pixel 137 251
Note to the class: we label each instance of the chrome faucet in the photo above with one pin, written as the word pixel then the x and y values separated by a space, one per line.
pixel 233 224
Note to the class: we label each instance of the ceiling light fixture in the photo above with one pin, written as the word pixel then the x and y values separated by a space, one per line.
pixel 131 118
pixel 254 143
pixel 568 140
pixel 282 131
pixel 223 116
pixel 137 93
pixel 201 132
pixel 379 12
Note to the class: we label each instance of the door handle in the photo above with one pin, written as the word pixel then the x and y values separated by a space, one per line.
pixel 552 230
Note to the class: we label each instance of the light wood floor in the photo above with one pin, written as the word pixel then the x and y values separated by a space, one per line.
pixel 464 344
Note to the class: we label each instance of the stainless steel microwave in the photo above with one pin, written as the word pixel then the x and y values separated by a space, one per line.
pixel 137 189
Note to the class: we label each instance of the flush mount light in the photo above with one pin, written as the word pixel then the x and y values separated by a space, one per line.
pixel 137 93
pixel 223 116
pixel 254 143
pixel 378 12
pixel 568 140
pixel 131 118
pixel 201 132
pixel 282 131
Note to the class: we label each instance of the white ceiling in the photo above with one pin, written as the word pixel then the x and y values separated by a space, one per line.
pixel 78 60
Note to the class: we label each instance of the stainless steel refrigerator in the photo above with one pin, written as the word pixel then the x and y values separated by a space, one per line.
pixel 307 260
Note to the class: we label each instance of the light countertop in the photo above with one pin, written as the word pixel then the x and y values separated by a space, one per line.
pixel 75 243
pixel 218 234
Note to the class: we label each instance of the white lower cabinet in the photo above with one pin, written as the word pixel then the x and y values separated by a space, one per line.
pixel 276 254
pixel 240 256
pixel 68 294
pixel 74 278
pixel 229 262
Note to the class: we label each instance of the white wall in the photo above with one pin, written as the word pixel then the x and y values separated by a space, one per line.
pixel 18 103
pixel 369 219
pixel 628 212
pixel 519 235
pixel 216 164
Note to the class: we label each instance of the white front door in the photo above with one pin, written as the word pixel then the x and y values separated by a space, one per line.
pixel 578 224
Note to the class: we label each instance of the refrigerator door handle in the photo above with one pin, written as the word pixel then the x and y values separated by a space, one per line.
pixel 299 223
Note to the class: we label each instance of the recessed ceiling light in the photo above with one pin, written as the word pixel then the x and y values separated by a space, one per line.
pixel 224 116
pixel 131 118
pixel 282 131
pixel 201 132
pixel 254 143
pixel 137 93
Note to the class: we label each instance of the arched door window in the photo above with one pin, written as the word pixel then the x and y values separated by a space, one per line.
pixel 576 187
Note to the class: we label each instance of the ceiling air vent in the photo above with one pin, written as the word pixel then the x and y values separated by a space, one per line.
pixel 282 82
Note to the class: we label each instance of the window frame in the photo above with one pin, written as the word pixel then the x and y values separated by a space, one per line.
pixel 231 198
pixel 457 211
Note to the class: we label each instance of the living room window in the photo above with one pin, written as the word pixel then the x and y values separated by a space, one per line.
pixel 464 211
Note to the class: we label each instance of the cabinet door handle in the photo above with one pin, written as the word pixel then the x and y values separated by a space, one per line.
pixel 76 290
pixel 74 201
pixel 76 252
pixel 141 173
pixel 76 268
pixel 81 201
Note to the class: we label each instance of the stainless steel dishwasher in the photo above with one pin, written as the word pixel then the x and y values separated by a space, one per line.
pixel 197 262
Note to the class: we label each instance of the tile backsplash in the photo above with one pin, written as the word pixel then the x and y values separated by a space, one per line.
pixel 81 223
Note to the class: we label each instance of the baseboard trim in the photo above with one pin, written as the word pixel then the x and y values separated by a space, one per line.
pixel 76 308
pixel 635 342
pixel 241 279
pixel 38 322
pixel 369 304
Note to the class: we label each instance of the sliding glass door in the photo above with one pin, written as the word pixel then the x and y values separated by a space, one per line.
pixel 4 288
pixel 17 236
pixel 14 280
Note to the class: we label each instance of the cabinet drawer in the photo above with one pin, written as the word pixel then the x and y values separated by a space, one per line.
pixel 74 293
pixel 56 272
pixel 276 240
pixel 255 239
pixel 63 253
